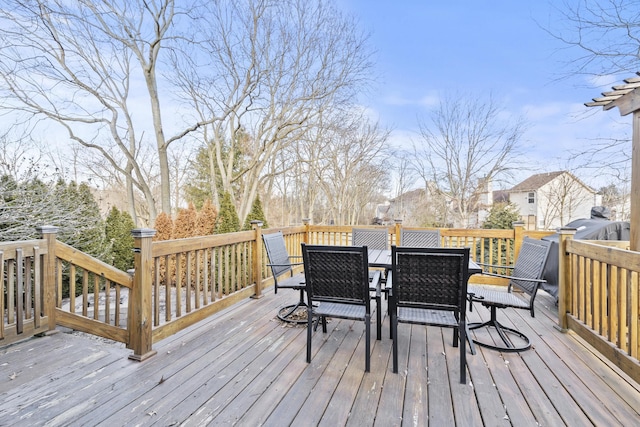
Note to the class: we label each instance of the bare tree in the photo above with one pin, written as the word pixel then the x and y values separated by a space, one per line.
pixel 604 36
pixel 466 143
pixel 275 66
pixel 617 197
pixel 347 161
pixel 91 67
pixel 601 38
pixel 18 157
pixel 562 199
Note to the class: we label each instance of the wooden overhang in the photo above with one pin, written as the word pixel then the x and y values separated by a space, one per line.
pixel 627 98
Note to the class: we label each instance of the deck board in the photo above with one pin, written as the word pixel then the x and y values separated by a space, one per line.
pixel 244 367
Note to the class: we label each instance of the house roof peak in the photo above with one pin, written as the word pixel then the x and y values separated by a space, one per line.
pixel 536 181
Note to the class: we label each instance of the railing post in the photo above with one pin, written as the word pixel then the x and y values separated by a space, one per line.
pixel 49 233
pixel 256 262
pixel 518 237
pixel 397 233
pixel 307 229
pixel 565 282
pixel 139 320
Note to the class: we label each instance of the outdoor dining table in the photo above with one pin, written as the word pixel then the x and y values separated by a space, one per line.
pixel 382 259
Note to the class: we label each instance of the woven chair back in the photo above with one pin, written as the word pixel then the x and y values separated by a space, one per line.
pixel 373 238
pixel 420 238
pixel 277 253
pixel 530 264
pixel 430 278
pixel 337 274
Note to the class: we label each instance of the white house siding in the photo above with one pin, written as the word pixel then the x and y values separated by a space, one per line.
pixel 557 202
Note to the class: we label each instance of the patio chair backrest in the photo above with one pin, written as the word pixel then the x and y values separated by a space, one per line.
pixel 277 253
pixel 337 274
pixel 420 238
pixel 530 264
pixel 430 278
pixel 373 238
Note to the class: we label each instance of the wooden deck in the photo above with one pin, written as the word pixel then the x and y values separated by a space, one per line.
pixel 245 367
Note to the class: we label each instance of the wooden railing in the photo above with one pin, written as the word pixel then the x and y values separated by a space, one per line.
pixel 94 293
pixel 495 247
pixel 23 290
pixel 599 297
pixel 177 283
pixel 192 278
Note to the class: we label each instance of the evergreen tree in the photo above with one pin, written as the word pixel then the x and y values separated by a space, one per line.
pixel 502 216
pixel 118 226
pixel 256 214
pixel 227 220
pixel 90 233
pixel 198 190
pixel 72 208
pixel 164 231
pixel 164 227
pixel 185 223
pixel 206 220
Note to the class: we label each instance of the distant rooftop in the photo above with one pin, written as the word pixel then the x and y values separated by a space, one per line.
pixel 536 181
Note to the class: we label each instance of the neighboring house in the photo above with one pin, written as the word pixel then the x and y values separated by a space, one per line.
pixel 418 207
pixel 402 207
pixel 547 201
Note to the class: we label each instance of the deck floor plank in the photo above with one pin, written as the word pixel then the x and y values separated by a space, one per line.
pixel 586 385
pixel 367 397
pixel 392 398
pixel 346 365
pixel 323 348
pixel 440 402
pixel 418 381
pixel 243 367
pixel 465 405
pixel 199 385
pixel 293 365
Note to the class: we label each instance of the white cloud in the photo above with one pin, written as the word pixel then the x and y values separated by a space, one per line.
pixel 428 100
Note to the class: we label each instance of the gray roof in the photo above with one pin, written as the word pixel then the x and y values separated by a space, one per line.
pixel 536 181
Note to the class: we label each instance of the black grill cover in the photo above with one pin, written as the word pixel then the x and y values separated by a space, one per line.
pixel 587 229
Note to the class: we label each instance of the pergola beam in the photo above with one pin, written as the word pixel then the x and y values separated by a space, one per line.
pixel 627 98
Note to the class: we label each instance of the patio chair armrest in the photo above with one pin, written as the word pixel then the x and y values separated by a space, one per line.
pixel 504 276
pixel 375 283
pixel 389 286
pixel 292 264
pixel 494 266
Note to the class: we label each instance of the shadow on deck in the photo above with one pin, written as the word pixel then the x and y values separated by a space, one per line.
pixel 245 367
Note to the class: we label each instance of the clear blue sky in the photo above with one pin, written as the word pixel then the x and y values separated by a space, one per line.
pixel 426 49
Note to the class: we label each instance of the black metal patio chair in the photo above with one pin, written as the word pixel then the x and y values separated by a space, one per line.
pixel 373 239
pixel 429 287
pixel 337 280
pixel 526 278
pixel 281 263
pixel 419 238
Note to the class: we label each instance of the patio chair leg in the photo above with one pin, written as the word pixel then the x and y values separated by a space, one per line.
pixel 309 326
pixel 378 318
pixel 504 333
pixel 367 345
pixel 463 352
pixel 286 311
pixel 472 346
pixel 394 333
